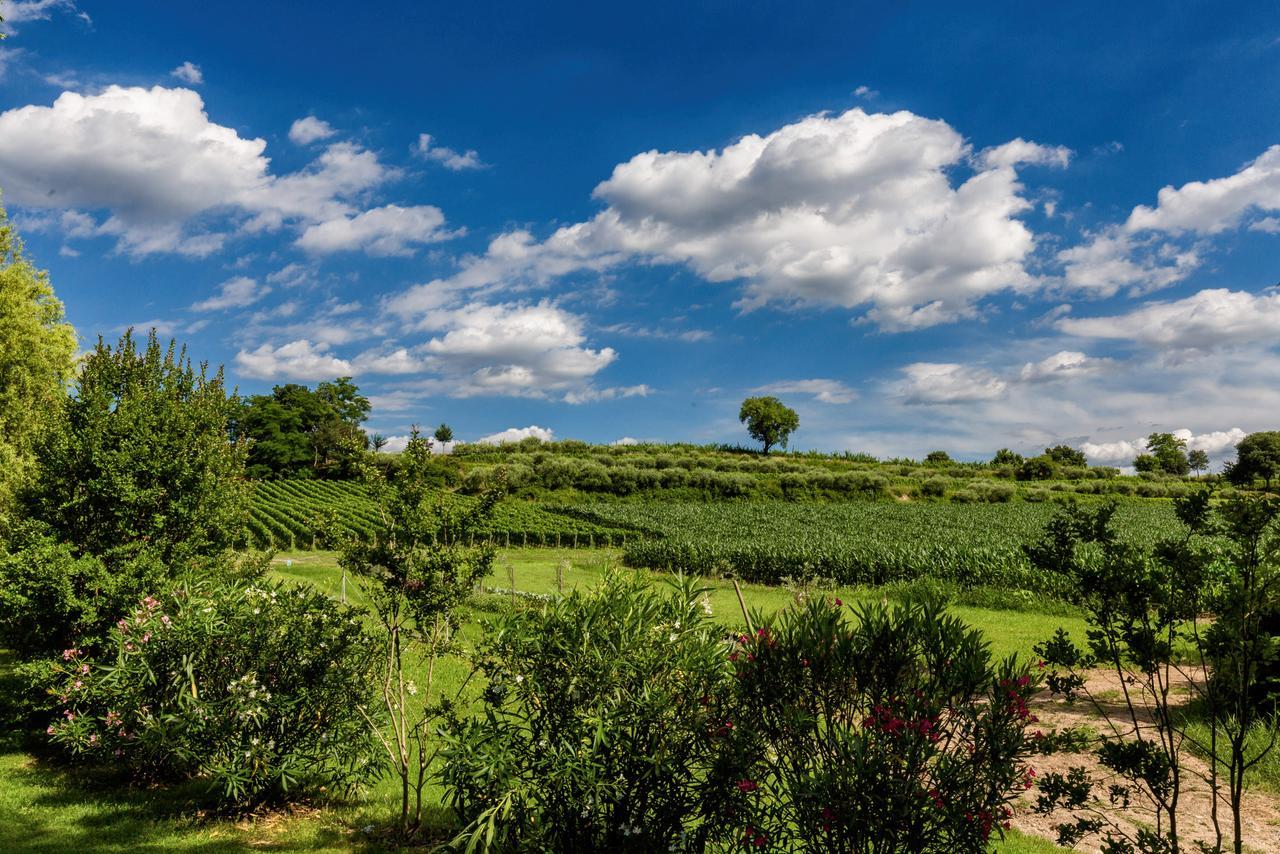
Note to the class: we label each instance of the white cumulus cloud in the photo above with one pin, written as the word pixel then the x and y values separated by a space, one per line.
pixel 297 360
pixel 1064 364
pixel 946 382
pixel 388 230
pixel 1207 320
pixel 309 129
pixel 188 72
pixel 446 157
pixel 234 293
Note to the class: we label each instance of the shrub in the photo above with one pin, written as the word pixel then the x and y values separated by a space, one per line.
pixel 50 597
pixel 1036 468
pixel 893 731
pixel 937 457
pixel 934 487
pixel 593 734
pixel 250 685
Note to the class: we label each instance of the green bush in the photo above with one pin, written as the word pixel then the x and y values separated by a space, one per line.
pixel 892 731
pixel 255 687
pixel 933 487
pixel 593 734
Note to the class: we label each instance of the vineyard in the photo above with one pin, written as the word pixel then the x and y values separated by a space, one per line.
pixel 286 514
pixel 852 543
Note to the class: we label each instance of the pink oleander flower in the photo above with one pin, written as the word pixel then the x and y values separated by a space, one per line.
pixel 68 654
pixel 84 668
pixel 49 730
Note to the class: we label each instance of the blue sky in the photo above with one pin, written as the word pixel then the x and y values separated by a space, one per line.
pixel 922 225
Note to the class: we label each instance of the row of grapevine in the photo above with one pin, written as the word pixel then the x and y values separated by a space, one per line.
pixel 283 515
pixel 852 543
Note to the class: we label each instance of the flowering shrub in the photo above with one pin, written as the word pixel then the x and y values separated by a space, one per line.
pixel 594 734
pixel 252 686
pixel 892 731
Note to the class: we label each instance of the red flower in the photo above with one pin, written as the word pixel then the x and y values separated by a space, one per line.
pixel 747 786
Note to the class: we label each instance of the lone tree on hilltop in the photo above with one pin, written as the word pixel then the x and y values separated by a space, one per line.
pixel 768 420
pixel 444 433
pixel 1168 454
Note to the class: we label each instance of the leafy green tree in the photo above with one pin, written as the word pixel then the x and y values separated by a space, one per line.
pixel 1036 468
pixel 37 351
pixel 1065 455
pixel 139 457
pixel 937 457
pixel 1146 463
pixel 378 441
pixel 1257 457
pixel 768 420
pixel 297 432
pixel 444 433
pixel 1198 460
pixel 1006 457
pixel 1170 453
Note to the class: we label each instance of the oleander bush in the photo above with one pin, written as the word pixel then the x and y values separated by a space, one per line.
pixel 886 729
pixel 594 728
pixel 247 685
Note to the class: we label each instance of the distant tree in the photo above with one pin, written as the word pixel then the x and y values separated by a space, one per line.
pixel 443 434
pixel 1198 460
pixel 1170 453
pixel 37 350
pixel 378 441
pixel 139 456
pixel 1257 457
pixel 1146 463
pixel 297 432
pixel 768 421
pixel 1065 455
pixel 937 457
pixel 1006 457
pixel 1036 468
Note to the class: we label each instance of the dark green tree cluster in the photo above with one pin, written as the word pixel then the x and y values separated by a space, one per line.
pixel 300 432
pixel 1166 454
pixel 1257 458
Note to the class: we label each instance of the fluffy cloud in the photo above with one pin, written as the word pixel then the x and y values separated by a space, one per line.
pixel 188 72
pixel 234 293
pixel 625 441
pixel 823 390
pixel 1217 444
pixel 1019 151
pixel 309 129
pixel 297 360
pixel 1204 321
pixel 164 172
pixel 388 230
pixel 1145 252
pixel 1065 364
pixel 591 395
pixel 446 157
pixel 945 383
pixel 515 434
pixel 21 11
pixel 856 210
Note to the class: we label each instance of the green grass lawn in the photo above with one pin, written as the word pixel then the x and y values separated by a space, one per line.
pixel 46 809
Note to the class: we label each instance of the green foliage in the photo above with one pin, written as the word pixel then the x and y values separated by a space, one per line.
pixel 1036 468
pixel 937 457
pixel 1197 460
pixel 594 730
pixel 418 569
pixel 37 348
pixel 296 432
pixel 1006 457
pixel 50 596
pixel 891 731
pixel 1167 453
pixel 1257 458
pixel 1065 455
pixel 247 685
pixel 768 421
pixel 139 458
pixel 444 433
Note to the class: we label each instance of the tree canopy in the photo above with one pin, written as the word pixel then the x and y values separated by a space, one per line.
pixel 298 432
pixel 1165 453
pixel 768 420
pixel 37 353
pixel 139 456
pixel 1257 458
pixel 1065 455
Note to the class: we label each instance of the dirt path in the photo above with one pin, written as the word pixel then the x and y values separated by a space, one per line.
pixel 1262 810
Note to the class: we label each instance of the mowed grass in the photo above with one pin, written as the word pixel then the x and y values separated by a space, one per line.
pixel 44 809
